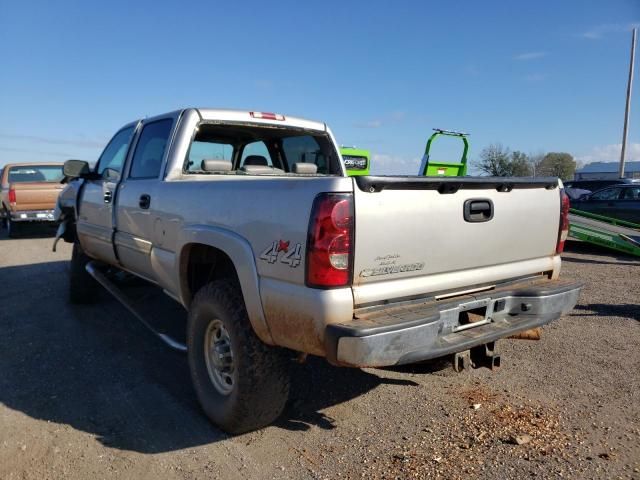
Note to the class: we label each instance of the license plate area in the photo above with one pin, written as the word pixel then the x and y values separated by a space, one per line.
pixel 473 314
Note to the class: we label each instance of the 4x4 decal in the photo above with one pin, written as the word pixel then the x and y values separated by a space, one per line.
pixel 292 255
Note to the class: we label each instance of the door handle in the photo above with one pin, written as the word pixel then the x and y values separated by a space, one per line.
pixel 108 196
pixel 145 201
pixel 478 210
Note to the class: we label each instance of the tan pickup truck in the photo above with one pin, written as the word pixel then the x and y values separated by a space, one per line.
pixel 28 193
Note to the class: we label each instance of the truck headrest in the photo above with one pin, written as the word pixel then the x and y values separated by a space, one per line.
pixel 215 165
pixel 307 168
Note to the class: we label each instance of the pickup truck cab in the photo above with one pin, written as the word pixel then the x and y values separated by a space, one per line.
pixel 28 193
pixel 249 220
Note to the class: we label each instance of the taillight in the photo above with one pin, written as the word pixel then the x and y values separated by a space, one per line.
pixel 563 231
pixel 12 195
pixel 330 241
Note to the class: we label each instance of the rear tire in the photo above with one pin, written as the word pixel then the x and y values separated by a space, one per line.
pixel 241 383
pixel 83 288
pixel 13 228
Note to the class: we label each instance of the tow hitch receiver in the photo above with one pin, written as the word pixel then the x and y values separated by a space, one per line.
pixel 481 356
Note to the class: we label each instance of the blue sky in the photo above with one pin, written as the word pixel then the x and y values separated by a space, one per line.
pixel 534 76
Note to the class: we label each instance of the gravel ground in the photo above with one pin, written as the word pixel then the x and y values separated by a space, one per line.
pixel 86 392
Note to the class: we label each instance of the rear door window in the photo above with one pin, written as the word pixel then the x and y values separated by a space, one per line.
pixel 147 159
pixel 631 193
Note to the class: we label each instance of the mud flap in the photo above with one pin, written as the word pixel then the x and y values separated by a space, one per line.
pixel 62 228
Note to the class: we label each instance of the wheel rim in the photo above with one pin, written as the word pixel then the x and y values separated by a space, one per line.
pixel 219 357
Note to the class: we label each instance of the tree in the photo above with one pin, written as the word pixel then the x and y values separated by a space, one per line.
pixel 499 161
pixel 557 164
pixel 535 159
pixel 520 166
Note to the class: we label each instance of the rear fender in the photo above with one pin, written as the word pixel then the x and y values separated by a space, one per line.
pixel 239 250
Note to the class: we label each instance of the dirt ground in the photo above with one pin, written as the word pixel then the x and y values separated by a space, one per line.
pixel 87 392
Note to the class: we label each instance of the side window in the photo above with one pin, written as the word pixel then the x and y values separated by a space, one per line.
pixel 259 153
pixel 607 194
pixel 116 151
pixel 147 158
pixel 631 193
pixel 304 148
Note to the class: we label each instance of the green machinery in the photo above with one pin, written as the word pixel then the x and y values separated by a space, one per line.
pixel 429 168
pixel 605 231
pixel 356 160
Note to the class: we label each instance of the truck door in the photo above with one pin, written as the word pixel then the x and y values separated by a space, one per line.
pixel 136 213
pixel 95 216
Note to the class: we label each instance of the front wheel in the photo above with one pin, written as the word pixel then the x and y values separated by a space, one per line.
pixel 241 383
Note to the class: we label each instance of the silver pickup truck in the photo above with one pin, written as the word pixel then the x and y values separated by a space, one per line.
pixel 249 220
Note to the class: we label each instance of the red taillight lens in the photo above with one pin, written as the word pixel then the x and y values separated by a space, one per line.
pixel 12 195
pixel 330 242
pixel 563 231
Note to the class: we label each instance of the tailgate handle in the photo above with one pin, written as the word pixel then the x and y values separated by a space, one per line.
pixel 478 210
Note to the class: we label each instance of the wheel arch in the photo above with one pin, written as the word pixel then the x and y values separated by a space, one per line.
pixel 206 253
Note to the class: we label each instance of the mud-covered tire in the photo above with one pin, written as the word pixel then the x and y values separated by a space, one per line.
pixel 83 288
pixel 260 374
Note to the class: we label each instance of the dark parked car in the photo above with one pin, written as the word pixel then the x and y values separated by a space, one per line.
pixel 618 201
pixel 593 185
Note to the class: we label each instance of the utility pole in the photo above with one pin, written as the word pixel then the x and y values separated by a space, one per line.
pixel 628 104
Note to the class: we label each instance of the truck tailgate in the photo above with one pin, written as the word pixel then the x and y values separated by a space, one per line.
pixel 412 236
pixel 36 195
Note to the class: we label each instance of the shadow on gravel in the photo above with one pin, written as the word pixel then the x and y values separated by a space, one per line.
pixel 98 370
pixel 316 385
pixel 628 310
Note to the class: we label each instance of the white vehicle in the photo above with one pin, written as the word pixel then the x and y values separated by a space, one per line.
pixel 249 220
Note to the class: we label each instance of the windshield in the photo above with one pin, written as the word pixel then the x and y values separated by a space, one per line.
pixel 35 173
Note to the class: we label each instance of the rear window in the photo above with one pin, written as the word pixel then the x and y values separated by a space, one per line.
pixel 273 147
pixel 207 151
pixel 35 173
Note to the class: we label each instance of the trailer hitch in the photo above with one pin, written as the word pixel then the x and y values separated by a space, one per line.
pixel 481 356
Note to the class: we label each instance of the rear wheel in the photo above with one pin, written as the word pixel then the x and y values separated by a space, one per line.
pixel 83 288
pixel 13 228
pixel 241 383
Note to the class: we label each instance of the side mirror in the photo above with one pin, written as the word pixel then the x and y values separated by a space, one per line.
pixel 76 168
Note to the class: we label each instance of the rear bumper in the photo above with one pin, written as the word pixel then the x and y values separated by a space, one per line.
pixel 411 333
pixel 32 216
